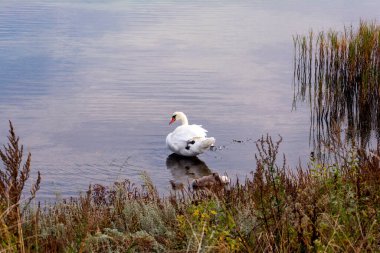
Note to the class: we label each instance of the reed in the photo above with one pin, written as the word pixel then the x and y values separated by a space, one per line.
pixel 340 78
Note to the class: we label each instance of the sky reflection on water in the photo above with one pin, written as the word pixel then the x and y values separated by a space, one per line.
pixel 90 87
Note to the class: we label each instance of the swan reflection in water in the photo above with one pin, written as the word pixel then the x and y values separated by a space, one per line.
pixel 185 169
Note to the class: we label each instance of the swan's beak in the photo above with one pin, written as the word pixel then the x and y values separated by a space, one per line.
pixel 173 119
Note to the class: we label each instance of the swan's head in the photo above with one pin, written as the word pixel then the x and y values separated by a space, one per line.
pixel 179 116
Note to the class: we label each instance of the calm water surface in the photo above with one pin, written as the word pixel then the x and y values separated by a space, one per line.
pixel 90 87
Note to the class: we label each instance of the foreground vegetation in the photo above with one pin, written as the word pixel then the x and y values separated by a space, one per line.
pixel 324 207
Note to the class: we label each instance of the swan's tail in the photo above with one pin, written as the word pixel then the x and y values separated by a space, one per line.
pixel 207 143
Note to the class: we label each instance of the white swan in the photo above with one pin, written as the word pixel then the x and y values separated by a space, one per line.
pixel 188 140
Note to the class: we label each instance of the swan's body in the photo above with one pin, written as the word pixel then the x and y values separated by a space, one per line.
pixel 188 140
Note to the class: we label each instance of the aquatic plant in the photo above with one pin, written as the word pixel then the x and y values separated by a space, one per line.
pixel 338 73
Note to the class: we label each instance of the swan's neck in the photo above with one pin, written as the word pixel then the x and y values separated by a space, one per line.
pixel 184 120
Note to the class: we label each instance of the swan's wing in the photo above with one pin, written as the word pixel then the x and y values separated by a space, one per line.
pixel 181 136
pixel 178 141
pixel 189 132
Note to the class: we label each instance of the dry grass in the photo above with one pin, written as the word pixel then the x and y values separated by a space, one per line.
pixel 12 181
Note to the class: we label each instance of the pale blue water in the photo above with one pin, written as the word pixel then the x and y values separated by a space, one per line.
pixel 90 86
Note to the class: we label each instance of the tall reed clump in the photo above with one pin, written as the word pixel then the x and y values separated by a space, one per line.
pixel 13 176
pixel 339 74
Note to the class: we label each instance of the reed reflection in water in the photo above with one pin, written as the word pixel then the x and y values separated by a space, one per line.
pixel 338 73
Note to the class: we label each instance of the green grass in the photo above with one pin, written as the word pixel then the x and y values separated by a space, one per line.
pixel 321 208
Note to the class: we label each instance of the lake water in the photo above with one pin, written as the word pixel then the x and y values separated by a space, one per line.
pixel 90 86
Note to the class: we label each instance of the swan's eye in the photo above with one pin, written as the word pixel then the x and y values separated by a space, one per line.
pixel 173 117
